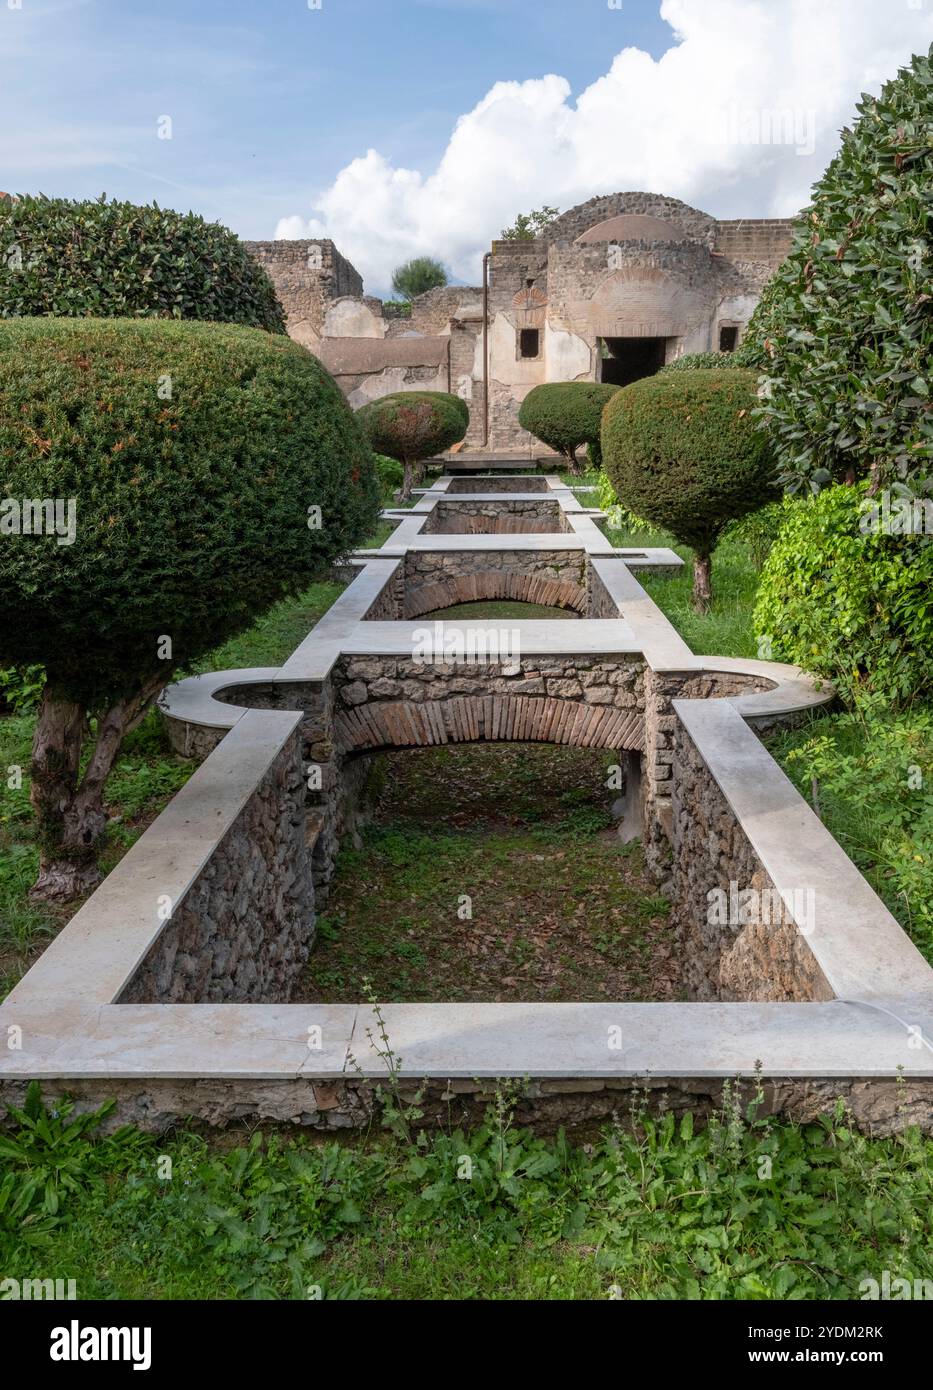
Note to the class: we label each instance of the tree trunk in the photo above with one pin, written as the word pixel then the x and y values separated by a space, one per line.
pixel 408 482
pixel 70 813
pixel 702 582
pixel 575 468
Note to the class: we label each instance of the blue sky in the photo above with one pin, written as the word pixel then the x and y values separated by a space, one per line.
pixel 274 104
pixel 269 98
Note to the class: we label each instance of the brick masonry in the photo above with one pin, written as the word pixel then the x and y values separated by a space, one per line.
pixel 586 702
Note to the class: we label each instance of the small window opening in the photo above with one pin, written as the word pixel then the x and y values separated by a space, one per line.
pixel 728 339
pixel 529 284
pixel 528 342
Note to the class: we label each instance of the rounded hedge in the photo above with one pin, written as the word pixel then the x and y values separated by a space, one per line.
pixel 116 260
pixel 706 361
pixel 683 450
pixel 845 598
pixel 193 453
pixel 414 425
pixel 565 415
pixel 455 402
pixel 844 329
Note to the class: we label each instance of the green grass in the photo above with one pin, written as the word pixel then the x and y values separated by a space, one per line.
pixel 491 609
pixel 727 630
pixel 146 776
pixel 523 838
pixel 867 773
pixel 273 638
pixel 381 535
pixel 747 1209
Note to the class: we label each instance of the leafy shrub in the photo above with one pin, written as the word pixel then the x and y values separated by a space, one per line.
pixel 620 518
pixel 115 260
pixel 650 1209
pixel 192 516
pixel 21 687
pixel 844 327
pixel 683 451
pixel 530 225
pixel 847 602
pixel 390 473
pixel 411 426
pixel 866 768
pixel 565 415
pixel 702 361
pixel 759 530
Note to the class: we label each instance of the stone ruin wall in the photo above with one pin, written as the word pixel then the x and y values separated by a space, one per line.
pixel 544 1105
pixel 762 962
pixel 508 517
pixel 496 483
pixel 245 927
pixel 307 276
pixel 281 853
pixel 765 241
pixel 699 226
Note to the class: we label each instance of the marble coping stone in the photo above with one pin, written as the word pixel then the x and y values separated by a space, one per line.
pixel 880 1025
pixel 874 1038
pixel 430 500
pixel 859 946
pixel 98 951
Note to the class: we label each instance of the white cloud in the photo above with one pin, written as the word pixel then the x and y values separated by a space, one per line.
pixel 704 123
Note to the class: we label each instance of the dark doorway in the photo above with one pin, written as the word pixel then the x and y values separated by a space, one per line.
pixel 631 358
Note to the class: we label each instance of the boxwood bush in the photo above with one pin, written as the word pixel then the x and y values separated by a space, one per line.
pixel 683 450
pixel 412 426
pixel 844 327
pixel 192 454
pixel 700 361
pixel 116 260
pixel 565 415
pixel 845 600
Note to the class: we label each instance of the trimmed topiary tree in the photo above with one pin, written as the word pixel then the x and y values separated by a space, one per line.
pixel 412 426
pixel 845 597
pixel 703 361
pixel 163 484
pixel 844 329
pixel 115 260
pixel 683 450
pixel 565 415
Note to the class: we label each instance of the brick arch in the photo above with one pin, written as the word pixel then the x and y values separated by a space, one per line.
pixel 488 719
pixel 491 585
